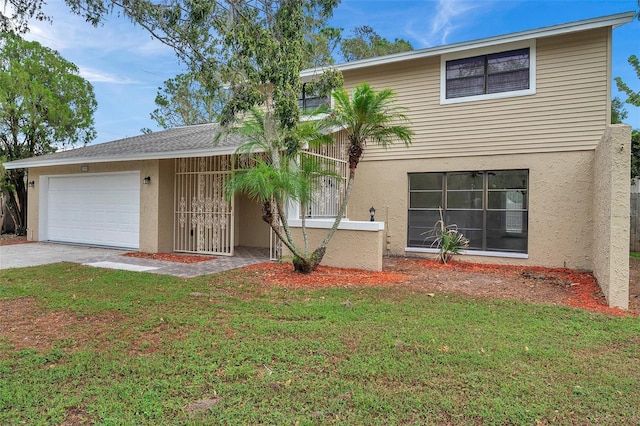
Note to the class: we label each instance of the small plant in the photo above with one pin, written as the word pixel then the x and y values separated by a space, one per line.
pixel 447 239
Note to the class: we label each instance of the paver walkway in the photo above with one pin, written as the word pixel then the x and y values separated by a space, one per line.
pixel 33 254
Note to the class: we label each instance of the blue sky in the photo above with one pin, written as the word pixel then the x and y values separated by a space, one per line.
pixel 126 66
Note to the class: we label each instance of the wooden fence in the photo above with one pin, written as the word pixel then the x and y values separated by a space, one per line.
pixel 634 241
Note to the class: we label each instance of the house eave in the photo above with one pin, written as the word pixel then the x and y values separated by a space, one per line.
pixel 613 21
pixel 39 162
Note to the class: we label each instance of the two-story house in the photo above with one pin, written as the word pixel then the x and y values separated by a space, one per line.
pixel 512 141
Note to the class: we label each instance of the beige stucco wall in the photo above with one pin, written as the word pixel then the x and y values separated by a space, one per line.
pixel 560 202
pixel 154 217
pixel 611 220
pixel 250 229
pixel 347 249
pixel 165 194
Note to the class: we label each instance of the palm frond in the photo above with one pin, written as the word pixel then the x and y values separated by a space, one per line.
pixel 369 115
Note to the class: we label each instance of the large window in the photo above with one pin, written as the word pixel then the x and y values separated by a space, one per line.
pixel 489 207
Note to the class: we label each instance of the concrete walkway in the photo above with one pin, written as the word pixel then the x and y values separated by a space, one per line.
pixel 33 254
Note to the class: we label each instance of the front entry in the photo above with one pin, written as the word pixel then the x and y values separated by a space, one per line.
pixel 204 218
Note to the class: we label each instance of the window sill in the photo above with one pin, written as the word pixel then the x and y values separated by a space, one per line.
pixel 349 225
pixel 486 97
pixel 471 253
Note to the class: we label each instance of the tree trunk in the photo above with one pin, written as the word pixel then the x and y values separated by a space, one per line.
pixel 307 266
pixel 17 201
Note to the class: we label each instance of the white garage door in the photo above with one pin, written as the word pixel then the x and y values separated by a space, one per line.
pixel 95 209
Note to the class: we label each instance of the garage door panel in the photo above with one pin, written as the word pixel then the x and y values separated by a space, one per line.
pixel 98 209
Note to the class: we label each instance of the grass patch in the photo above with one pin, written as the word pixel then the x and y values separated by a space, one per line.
pixel 244 353
pixel 634 254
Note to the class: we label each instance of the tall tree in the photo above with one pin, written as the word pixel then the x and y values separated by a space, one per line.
pixel 633 97
pixel 184 101
pixel 44 105
pixel 15 14
pixel 618 113
pixel 217 41
pixel 367 43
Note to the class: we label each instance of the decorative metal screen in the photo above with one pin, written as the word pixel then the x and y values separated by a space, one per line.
pixel 275 246
pixel 329 190
pixel 203 215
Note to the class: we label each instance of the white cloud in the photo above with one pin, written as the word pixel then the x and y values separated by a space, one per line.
pixel 45 33
pixel 96 76
pixel 441 24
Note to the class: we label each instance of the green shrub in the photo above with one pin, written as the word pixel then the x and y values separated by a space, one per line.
pixel 447 239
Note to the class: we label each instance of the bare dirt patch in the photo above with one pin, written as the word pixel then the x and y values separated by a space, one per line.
pixel 202 405
pixel 24 325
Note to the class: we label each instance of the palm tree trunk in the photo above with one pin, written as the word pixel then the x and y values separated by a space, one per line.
pixel 343 208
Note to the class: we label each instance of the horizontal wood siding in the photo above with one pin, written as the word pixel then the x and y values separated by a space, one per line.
pixel 567 113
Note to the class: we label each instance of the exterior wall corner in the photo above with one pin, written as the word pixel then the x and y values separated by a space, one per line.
pixel 611 214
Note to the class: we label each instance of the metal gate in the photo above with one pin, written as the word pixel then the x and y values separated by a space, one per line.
pixel 203 221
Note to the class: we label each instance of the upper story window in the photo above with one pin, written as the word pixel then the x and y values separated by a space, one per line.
pixel 309 100
pixel 488 74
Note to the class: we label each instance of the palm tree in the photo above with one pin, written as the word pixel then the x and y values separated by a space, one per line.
pixel 281 174
pixel 366 116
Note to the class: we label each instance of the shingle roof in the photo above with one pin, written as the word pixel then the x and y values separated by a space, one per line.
pixel 188 141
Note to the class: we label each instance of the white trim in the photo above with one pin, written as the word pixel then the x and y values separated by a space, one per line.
pixel 345 224
pixel 470 252
pixel 571 27
pixel 38 162
pixel 531 44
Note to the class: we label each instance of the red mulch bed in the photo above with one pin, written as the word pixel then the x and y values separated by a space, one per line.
pixel 583 289
pixel 170 257
pixel 11 239
pixel 558 286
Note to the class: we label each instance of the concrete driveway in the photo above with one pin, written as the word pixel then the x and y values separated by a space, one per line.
pixel 34 254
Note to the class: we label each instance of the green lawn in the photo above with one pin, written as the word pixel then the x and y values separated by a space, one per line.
pixel 142 347
pixel 634 254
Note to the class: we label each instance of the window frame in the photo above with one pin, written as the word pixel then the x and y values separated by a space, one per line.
pixel 530 44
pixel 486 210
